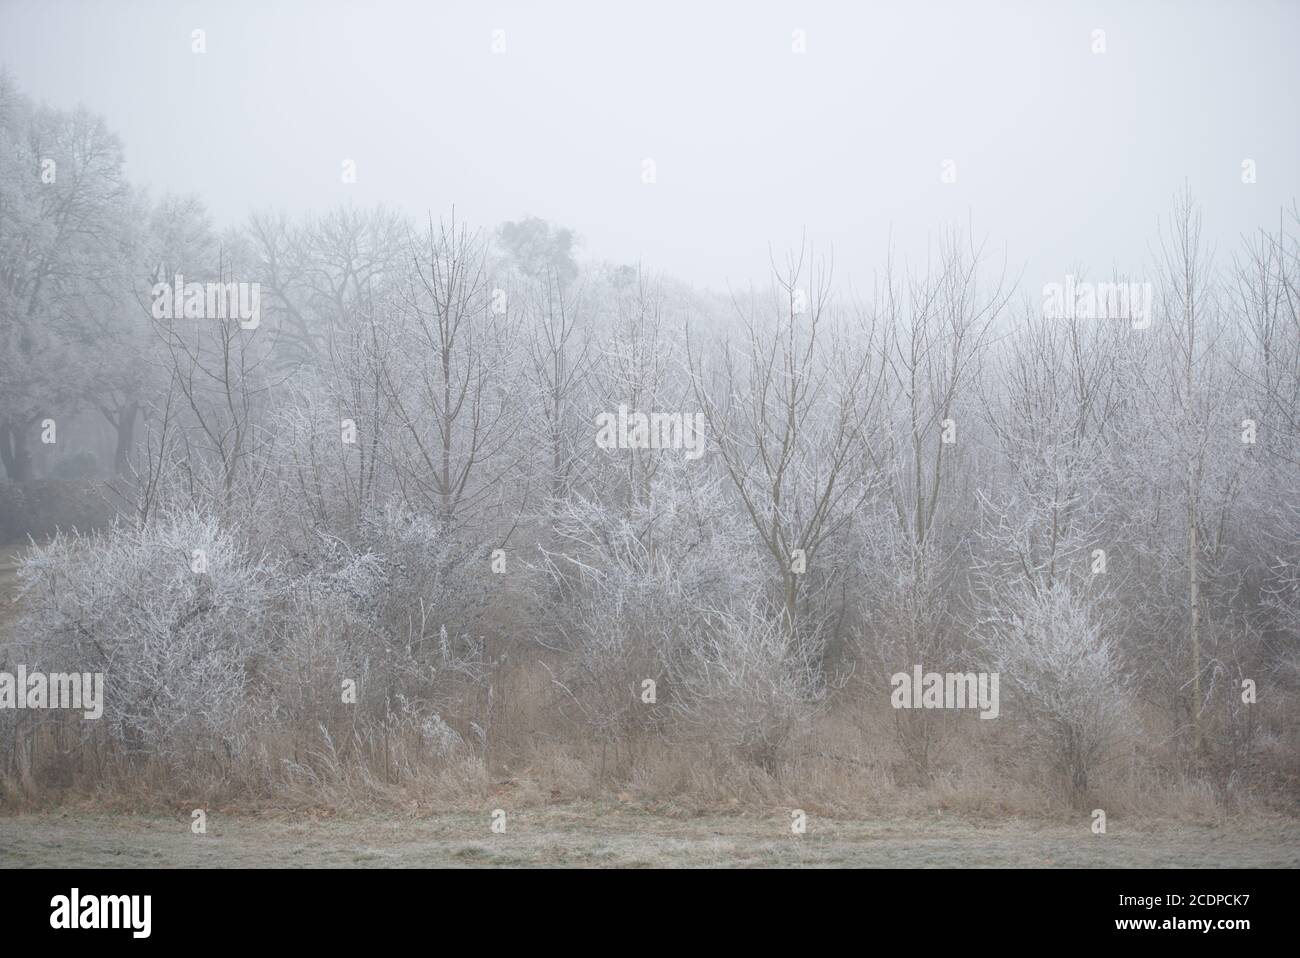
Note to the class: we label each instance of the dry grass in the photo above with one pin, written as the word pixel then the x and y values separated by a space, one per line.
pixel 9 557
pixel 588 834
pixel 848 766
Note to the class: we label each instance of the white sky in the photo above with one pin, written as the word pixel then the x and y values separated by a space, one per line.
pixel 1064 157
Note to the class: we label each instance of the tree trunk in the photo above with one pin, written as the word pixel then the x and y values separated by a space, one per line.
pixel 125 426
pixel 14 453
pixel 1194 591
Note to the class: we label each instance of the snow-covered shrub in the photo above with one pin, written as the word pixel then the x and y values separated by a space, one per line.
pixel 373 621
pixel 628 583
pixel 745 682
pixel 172 614
pixel 1054 656
pixel 909 617
pixel 615 630
pixel 432 592
pixel 327 633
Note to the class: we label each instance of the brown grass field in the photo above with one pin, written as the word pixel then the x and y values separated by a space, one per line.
pixel 587 835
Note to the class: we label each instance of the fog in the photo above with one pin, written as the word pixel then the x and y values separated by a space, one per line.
pixel 1063 156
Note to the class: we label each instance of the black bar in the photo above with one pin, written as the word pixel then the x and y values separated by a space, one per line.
pixel 650 908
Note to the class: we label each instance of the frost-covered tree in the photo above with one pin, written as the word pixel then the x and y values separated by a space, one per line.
pixel 1060 667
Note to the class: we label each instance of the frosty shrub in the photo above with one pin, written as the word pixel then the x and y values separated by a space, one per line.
pixel 746 683
pixel 627 583
pixel 907 620
pixel 1063 674
pixel 328 632
pixel 432 580
pixel 614 632
pixel 415 611
pixel 174 643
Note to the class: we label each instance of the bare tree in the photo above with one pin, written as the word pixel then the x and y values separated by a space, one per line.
pixel 936 326
pixel 785 412
pixel 451 388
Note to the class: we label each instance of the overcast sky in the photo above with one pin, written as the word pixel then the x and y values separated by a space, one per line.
pixel 1064 157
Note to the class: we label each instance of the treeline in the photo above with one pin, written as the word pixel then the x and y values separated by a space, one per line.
pixel 369 544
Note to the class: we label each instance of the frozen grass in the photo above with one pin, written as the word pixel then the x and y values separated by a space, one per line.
pixel 611 835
